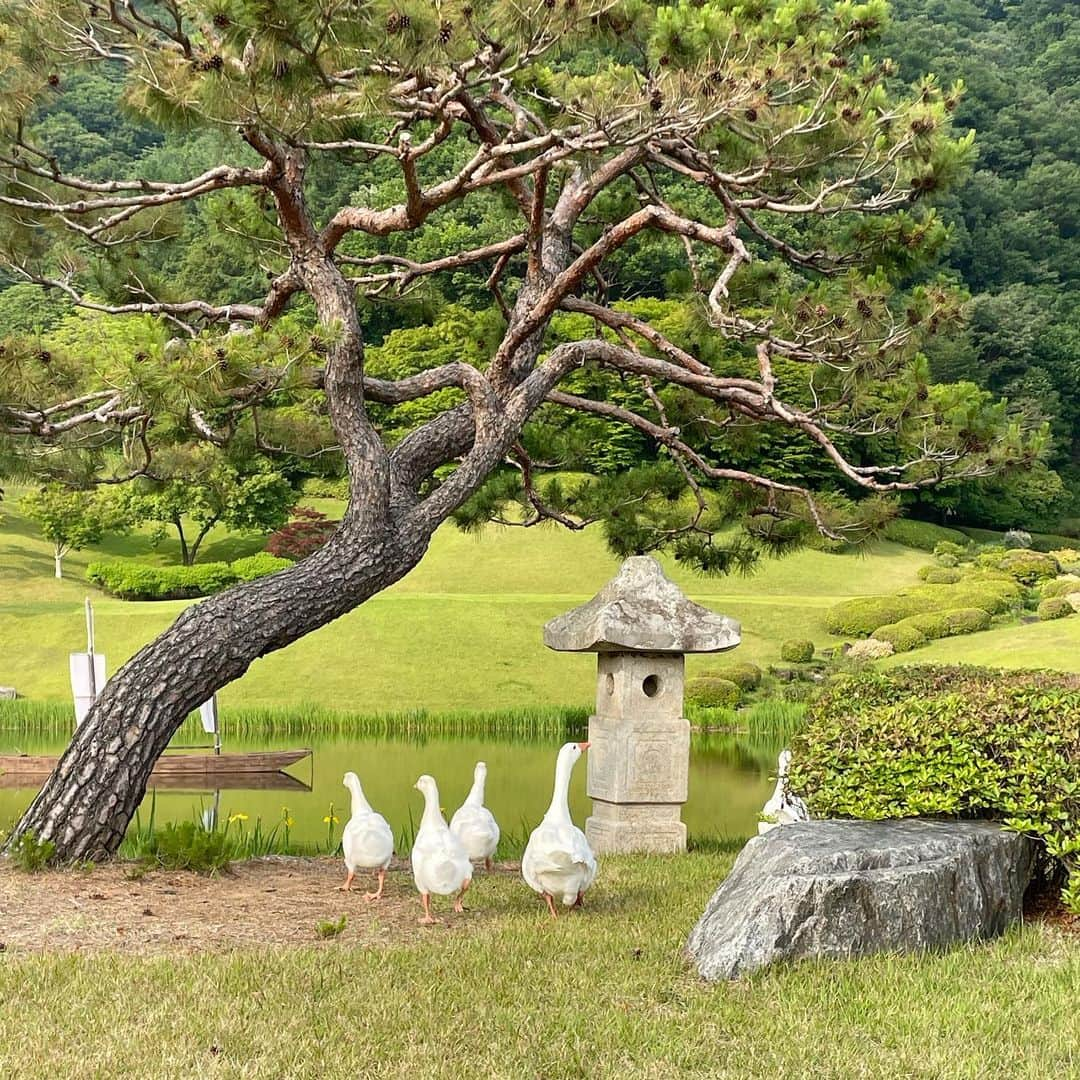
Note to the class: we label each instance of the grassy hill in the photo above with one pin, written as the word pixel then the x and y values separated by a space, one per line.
pixel 463 631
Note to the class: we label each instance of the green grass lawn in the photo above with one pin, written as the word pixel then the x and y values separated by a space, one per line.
pixel 601 993
pixel 462 631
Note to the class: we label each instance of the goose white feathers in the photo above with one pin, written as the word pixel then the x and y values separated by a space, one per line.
pixel 783 808
pixel 367 841
pixel 440 863
pixel 558 861
pixel 474 824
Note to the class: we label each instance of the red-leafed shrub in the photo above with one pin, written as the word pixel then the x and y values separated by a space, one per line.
pixel 306 532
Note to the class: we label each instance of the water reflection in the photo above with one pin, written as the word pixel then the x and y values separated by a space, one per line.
pixel 729 781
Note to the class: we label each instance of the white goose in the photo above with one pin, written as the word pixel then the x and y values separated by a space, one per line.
pixel 783 808
pixel 558 860
pixel 474 824
pixel 440 862
pixel 367 841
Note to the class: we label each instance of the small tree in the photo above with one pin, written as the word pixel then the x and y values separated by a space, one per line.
pixel 305 533
pixel 72 519
pixel 207 490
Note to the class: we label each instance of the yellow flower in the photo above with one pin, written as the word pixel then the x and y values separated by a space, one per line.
pixel 289 823
pixel 237 817
pixel 329 818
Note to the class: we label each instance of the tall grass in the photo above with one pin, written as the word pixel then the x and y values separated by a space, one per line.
pixel 521 722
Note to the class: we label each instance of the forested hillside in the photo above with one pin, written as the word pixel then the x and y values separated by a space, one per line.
pixel 999 221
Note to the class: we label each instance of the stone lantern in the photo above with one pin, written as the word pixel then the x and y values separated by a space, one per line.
pixel 640 625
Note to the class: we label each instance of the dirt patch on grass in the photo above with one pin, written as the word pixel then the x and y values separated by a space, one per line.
pixel 274 901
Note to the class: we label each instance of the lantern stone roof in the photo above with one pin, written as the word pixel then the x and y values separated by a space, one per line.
pixel 641 610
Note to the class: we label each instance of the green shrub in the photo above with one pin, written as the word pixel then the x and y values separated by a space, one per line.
pixel 946 560
pixel 954 551
pixel 746 676
pixel 1027 566
pixel 1060 587
pixel 137 581
pixel 257 566
pixel 967 621
pixel 993 595
pixel 954 742
pixel 711 692
pixel 902 636
pixel 863 615
pixel 939 575
pixel 922 534
pixel 1057 607
pixel 797 651
pixel 187 846
pixel 321 487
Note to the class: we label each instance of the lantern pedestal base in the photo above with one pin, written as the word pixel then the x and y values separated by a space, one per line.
pixel 626 828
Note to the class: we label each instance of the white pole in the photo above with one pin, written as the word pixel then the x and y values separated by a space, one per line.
pixel 90 648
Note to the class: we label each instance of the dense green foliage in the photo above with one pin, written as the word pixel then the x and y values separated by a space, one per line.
pixel 885 286
pixel 72 519
pixel 922 534
pixel 130 580
pixel 956 742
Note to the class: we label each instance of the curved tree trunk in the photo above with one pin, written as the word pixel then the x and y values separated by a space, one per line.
pixel 88 801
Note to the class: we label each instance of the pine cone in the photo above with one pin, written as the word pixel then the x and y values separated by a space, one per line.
pixel 222 21
pixel 656 101
pixel 446 32
pixel 864 309
pixel 54 81
pixel 393 23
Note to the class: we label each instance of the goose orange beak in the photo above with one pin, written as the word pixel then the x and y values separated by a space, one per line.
pixel 583 746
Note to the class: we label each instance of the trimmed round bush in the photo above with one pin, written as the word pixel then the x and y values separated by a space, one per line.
pixel 956 742
pixel 1030 567
pixel 870 649
pixel 797 651
pixel 1059 587
pixel 946 548
pixel 967 621
pixel 712 692
pixel 863 615
pixel 1057 607
pixel 746 676
pixel 257 566
pixel 939 575
pixel 947 560
pixel 902 636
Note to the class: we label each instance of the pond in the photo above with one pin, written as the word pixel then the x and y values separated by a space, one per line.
pixel 729 781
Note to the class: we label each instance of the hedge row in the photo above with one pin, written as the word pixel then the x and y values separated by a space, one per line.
pixel 863 615
pixel 136 581
pixel 953 742
pixel 922 534
pixel 917 630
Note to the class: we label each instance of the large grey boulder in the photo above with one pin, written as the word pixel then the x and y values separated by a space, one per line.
pixel 848 888
pixel 8 693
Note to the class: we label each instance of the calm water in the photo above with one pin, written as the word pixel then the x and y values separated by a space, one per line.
pixel 729 782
